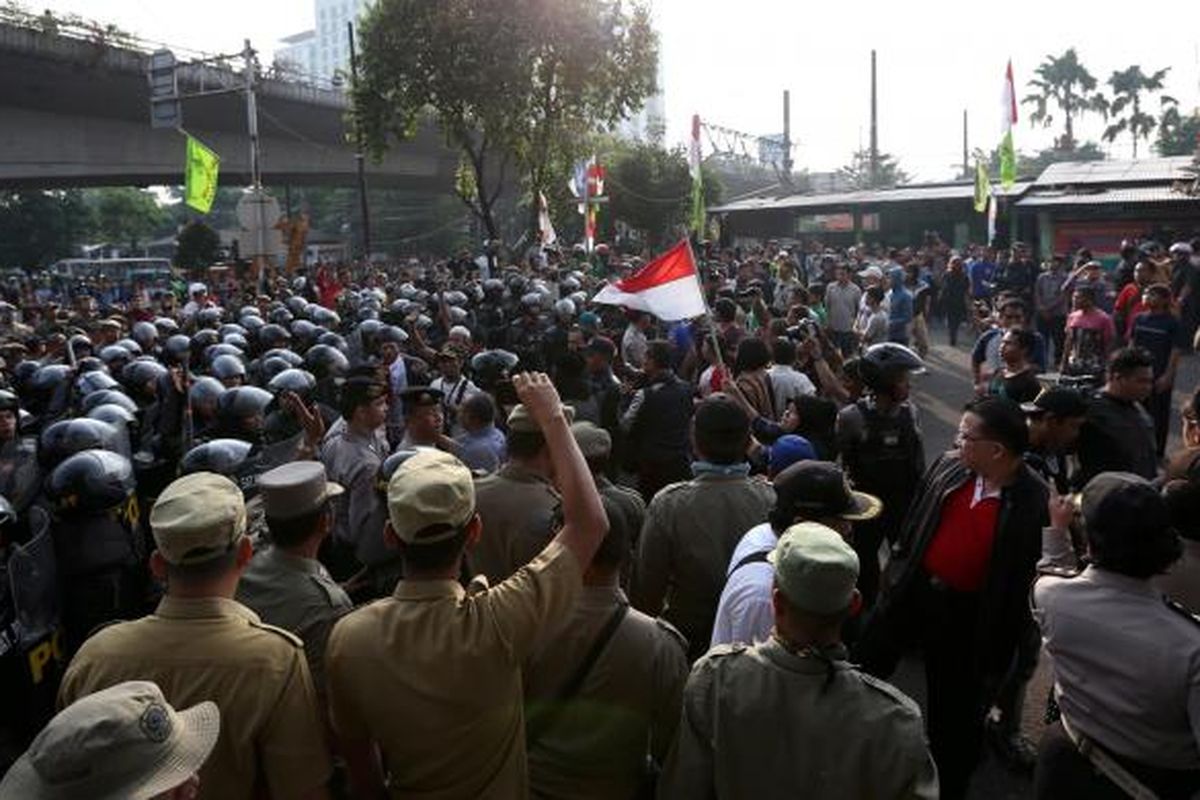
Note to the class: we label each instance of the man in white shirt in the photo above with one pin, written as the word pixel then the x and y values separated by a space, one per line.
pixel 455 388
pixel 787 383
pixel 808 491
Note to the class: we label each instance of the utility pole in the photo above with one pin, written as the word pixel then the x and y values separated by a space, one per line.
pixel 251 67
pixel 874 128
pixel 966 165
pixel 358 151
pixel 787 137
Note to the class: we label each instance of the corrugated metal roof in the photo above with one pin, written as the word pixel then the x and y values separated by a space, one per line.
pixel 1145 170
pixel 1134 195
pixel 941 191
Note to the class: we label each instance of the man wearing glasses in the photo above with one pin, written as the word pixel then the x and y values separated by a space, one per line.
pixel 958 581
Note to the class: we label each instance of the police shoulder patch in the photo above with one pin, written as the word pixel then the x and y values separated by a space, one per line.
pixel 888 690
pixel 726 650
pixel 1181 610
pixel 291 638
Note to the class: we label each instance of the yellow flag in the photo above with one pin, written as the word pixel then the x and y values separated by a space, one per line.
pixel 200 182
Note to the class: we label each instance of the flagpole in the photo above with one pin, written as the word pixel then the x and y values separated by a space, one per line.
pixel 712 331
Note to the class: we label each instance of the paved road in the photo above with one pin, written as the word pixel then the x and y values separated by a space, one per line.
pixel 940 394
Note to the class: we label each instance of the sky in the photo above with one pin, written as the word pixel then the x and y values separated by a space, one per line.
pixel 729 62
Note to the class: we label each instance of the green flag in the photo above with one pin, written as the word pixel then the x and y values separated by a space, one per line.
pixel 1008 153
pixel 200 177
pixel 983 187
pixel 696 221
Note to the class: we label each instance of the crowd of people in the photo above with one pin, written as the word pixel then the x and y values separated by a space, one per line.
pixel 448 528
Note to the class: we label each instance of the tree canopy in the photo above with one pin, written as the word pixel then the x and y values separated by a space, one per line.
pixel 1177 135
pixel 859 175
pixel 514 86
pixel 1128 86
pixel 1063 82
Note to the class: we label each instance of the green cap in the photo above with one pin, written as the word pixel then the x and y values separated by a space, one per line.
pixel 815 568
pixel 593 441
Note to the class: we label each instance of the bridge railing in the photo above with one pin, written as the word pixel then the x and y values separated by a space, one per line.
pixel 74 26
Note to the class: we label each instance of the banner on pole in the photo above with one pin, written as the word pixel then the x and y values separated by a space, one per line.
pixel 200 176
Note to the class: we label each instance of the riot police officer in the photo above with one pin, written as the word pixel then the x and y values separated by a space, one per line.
pixel 20 478
pixel 882 451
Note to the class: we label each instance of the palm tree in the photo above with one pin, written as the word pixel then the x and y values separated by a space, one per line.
pixel 1066 83
pixel 1128 85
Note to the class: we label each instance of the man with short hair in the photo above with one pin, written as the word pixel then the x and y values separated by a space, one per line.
pixel 429 679
pixel 1055 418
pixel 285 584
pixel 808 491
pixel 985 355
pixel 957 584
pixel 656 423
pixel 481 446
pixel 200 644
pixel 692 528
pixel 595 715
pixel 842 299
pixel 596 446
pixel 1159 332
pixel 791 717
pixel 352 452
pixel 1118 435
pixel 454 387
pixel 634 341
pixel 518 504
pixel 1126 659
pixel 786 381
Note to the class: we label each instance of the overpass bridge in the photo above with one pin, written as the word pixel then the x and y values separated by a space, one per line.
pixel 74 111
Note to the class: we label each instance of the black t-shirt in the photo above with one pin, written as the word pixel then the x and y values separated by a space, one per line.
pixel 1158 334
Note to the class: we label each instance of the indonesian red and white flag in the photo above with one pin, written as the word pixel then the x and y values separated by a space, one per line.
pixel 668 287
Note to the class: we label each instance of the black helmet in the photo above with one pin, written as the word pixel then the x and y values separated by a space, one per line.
pixel 166 326
pixel 67 437
pixel 202 340
pixel 133 347
pixel 237 340
pixel 114 415
pixel 270 366
pixel 325 362
pixel 280 316
pixel 145 334
pixel 208 318
pixel 493 287
pixel 230 328
pixel 46 389
pixel 292 358
pixel 223 456
pixel 80 345
pixel 137 374
pixel 227 368
pixel 241 402
pixel 212 352
pixel 91 482
pixel 273 335
pixel 90 364
pixel 389 466
pixel 304 332
pixel 882 363
pixel 296 304
pixel 9 401
pixel 299 381
pixel 334 340
pixel 22 372
pixel 108 397
pixel 206 392
pixel 90 382
pixel 177 349
pixel 392 333
pixel 253 324
pixel 324 317
pixel 497 360
pixel 115 357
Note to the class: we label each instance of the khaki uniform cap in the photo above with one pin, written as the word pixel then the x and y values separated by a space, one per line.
pixel 593 441
pixel 198 518
pixel 519 420
pixel 815 568
pixel 431 488
pixel 295 489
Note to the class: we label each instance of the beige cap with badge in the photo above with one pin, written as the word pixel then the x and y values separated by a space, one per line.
pixel 197 518
pixel 123 743
pixel 432 488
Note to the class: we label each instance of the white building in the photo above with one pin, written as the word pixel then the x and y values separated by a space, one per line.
pixel 649 123
pixel 325 50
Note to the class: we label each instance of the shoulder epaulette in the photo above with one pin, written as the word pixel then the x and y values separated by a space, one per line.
pixel 672 632
pixel 291 638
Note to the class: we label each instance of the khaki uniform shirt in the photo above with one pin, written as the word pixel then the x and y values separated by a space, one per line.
pixel 298 595
pixel 433 675
pixel 690 532
pixel 764 722
pixel 353 461
pixel 627 707
pixel 518 509
pixel 217 649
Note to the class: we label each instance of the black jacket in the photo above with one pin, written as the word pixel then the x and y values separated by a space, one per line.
pixel 1004 607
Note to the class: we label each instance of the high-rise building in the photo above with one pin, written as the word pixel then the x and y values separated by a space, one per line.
pixel 325 50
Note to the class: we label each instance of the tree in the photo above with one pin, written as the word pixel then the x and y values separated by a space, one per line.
pixel 1032 165
pixel 1065 83
pixel 650 190
pixel 197 246
pixel 1178 135
pixel 514 86
pixel 858 172
pixel 37 228
pixel 1128 86
pixel 125 214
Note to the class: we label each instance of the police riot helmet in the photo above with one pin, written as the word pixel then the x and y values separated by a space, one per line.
pixel 334 340
pixel 273 335
pixel 67 437
pixel 230 328
pixel 326 362
pixel 280 316
pixel 493 287
pixel 296 305
pixel 90 364
pixel 270 366
pixel 208 318
pixel 8 514
pixel 500 360
pixel 177 349
pixel 46 389
pixel 455 298
pixel 115 357
pixel 166 326
pixel 564 308
pixel 213 352
pixel 140 372
pixel 882 364
pixel 368 330
pixel 299 381
pixel 367 313
pixel 228 368
pixel 325 317
pixel 226 457
pixel 237 340
pixel 292 358
pixel 304 332
pixel 9 401
pixel 91 482
pixel 392 333
pixel 204 339
pixel 241 402
pixel 206 391
pixel 253 324
pixel 389 465
pixel 22 372
pixel 80 345
pixel 108 397
pixel 114 415
pixel 145 334
pixel 94 381
pixel 133 347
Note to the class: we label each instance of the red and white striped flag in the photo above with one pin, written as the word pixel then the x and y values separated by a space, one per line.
pixel 668 287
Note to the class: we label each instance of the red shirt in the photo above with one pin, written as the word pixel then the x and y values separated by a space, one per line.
pixel 1130 302
pixel 962 544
